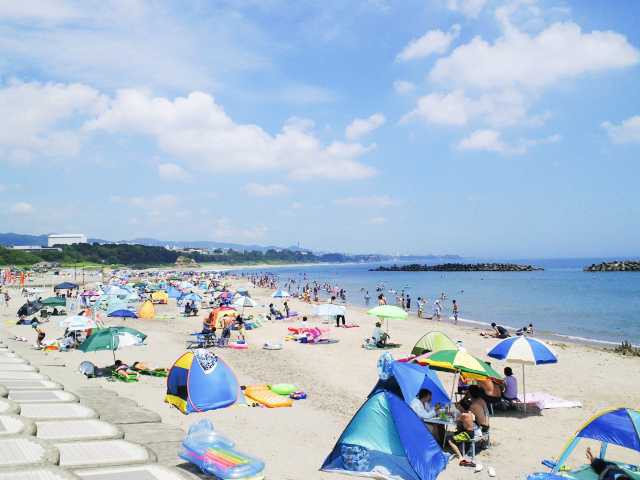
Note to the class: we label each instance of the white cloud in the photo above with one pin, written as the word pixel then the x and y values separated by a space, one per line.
pixel 491 141
pixel 360 127
pixel 403 87
pixel 377 220
pixel 503 108
pixel 558 52
pixel 626 132
pixel 198 130
pixel 225 230
pixel 35 118
pixel 469 8
pixel 173 172
pixel 21 208
pixel 377 201
pixel 91 41
pixel 265 190
pixel 432 42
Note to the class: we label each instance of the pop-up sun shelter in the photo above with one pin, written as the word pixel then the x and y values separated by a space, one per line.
pixel 433 342
pixel 617 426
pixel 201 381
pixel 385 438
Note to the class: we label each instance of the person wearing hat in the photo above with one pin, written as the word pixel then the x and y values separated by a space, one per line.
pixel 378 336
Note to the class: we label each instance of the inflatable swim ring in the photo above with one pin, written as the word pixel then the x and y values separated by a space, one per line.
pixel 283 388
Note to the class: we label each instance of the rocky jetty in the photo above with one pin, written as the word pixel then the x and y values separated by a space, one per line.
pixel 617 266
pixel 458 267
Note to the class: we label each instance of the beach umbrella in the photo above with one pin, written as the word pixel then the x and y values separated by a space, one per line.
pixel 243 291
pixel 525 351
pixel 459 361
pixel 89 293
pixel 387 312
pixel 54 302
pixel 280 293
pixel 123 313
pixel 328 310
pixel 77 322
pixel 112 338
pixel 242 302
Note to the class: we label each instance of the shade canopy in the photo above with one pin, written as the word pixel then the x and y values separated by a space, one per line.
pixel 388 311
pixel 66 286
pixel 280 293
pixel 523 350
pixel 433 342
pixel 54 302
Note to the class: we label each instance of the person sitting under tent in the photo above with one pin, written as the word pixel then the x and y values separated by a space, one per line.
pixel 606 470
pixel 473 421
pixel 421 405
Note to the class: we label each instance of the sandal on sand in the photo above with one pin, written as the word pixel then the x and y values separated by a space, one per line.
pixel 491 471
pixel 467 463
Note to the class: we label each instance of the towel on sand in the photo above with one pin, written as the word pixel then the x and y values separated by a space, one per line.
pixel 545 401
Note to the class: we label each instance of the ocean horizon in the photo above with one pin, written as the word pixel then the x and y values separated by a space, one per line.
pixel 561 301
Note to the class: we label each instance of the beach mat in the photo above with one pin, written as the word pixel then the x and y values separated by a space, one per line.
pixel 56 411
pixel 388 346
pixel 8 407
pixel 544 401
pixel 42 396
pixel 40 473
pixel 22 452
pixel 77 430
pixel 141 472
pixel 14 425
pixel 264 396
pixel 102 453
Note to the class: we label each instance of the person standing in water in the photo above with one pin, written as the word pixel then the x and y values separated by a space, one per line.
pixel 367 297
pixel 455 312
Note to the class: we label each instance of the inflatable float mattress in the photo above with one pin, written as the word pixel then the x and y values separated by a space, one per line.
pixel 264 396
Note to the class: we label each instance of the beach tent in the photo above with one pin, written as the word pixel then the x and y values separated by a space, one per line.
pixel 160 297
pixel 66 286
pixel 433 342
pixel 173 292
pixel 146 310
pixel 615 426
pixel 201 381
pixel 54 302
pixel 406 380
pixel 386 439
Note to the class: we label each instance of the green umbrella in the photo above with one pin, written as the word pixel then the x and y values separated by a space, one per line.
pixel 459 361
pixel 112 338
pixel 54 302
pixel 387 312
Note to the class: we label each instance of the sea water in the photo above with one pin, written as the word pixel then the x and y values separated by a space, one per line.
pixel 562 299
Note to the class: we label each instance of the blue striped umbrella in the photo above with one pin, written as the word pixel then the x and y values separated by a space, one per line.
pixel 525 351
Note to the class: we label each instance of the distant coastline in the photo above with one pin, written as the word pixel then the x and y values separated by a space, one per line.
pixel 458 267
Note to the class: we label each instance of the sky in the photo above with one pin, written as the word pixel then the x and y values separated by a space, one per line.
pixel 471 127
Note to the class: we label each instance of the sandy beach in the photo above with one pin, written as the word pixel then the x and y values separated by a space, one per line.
pixel 337 378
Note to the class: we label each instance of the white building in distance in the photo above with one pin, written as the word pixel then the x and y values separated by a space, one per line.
pixel 66 239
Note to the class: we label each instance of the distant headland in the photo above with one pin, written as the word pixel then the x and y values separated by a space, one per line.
pixel 616 266
pixel 458 267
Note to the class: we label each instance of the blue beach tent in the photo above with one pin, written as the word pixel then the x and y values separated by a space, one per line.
pixel 173 292
pixel 385 438
pixel 201 381
pixel 616 426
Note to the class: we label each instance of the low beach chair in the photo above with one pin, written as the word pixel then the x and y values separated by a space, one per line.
pixel 202 340
pixel 483 440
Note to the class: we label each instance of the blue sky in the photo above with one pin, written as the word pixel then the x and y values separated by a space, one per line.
pixel 475 127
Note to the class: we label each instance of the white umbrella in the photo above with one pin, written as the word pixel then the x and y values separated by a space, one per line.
pixel 242 302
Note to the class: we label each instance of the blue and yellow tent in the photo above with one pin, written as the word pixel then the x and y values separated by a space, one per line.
pixel 385 438
pixel 191 388
pixel 615 426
